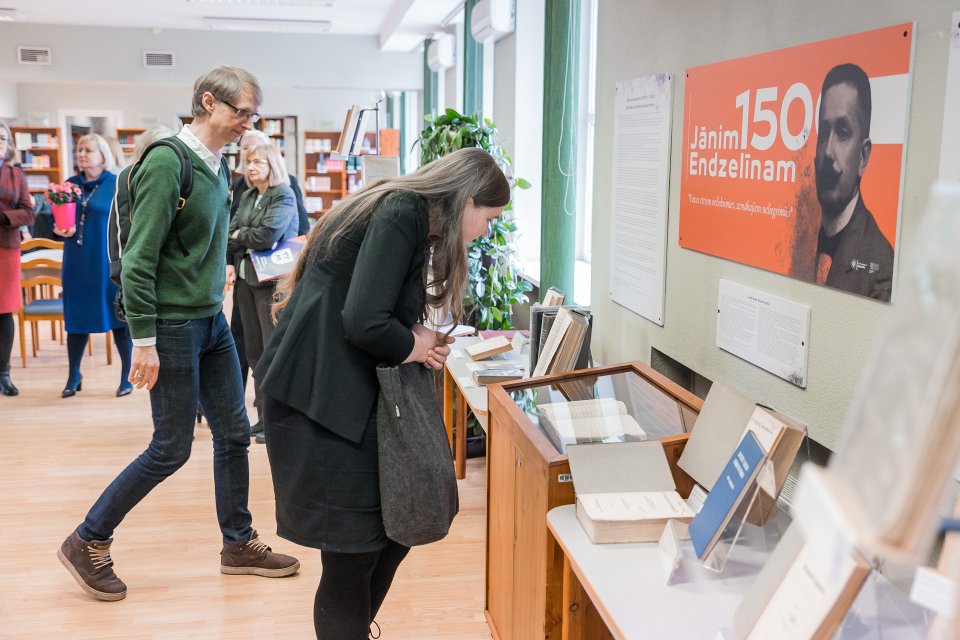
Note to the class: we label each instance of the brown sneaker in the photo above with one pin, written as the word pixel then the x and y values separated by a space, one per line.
pixel 254 558
pixel 91 566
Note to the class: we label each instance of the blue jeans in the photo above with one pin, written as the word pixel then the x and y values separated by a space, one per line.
pixel 198 364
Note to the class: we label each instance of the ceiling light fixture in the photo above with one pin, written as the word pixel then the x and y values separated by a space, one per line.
pixel 267 24
pixel 9 15
pixel 269 3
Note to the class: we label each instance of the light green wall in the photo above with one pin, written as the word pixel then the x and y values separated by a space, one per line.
pixel 647 36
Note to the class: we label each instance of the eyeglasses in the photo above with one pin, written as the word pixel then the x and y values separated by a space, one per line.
pixel 259 161
pixel 243 114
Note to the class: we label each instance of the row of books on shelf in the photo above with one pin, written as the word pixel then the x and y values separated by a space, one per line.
pixel 35 160
pixel 36 182
pixel 325 165
pixel 271 126
pixel 25 140
pixel 318 183
pixel 127 139
pixel 315 203
pixel 317 145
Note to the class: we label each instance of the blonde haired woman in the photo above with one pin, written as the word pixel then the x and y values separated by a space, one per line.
pixel 266 215
pixel 88 293
pixel 356 299
pixel 16 209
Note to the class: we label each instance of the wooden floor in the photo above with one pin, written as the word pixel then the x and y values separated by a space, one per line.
pixel 56 456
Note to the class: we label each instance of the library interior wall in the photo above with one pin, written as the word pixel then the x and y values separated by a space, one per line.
pixel 315 77
pixel 648 36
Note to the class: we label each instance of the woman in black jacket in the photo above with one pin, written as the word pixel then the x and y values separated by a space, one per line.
pixel 357 298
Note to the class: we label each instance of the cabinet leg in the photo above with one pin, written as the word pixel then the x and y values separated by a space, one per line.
pixel 460 453
pixel 448 385
pixel 581 620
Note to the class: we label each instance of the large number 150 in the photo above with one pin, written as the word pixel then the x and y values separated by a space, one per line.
pixel 764 113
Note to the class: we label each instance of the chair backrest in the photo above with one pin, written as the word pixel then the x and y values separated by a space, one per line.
pixel 29 285
pixel 39 243
pixel 40 263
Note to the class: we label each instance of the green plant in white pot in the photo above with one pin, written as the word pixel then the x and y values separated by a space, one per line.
pixel 495 284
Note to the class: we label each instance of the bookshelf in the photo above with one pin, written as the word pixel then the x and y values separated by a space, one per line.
pixel 281 129
pixel 328 180
pixel 39 151
pixel 325 178
pixel 127 137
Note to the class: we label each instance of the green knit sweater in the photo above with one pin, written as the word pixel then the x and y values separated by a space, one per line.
pixel 158 280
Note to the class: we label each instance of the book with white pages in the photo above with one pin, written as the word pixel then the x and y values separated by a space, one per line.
pixel 488 347
pixel 582 421
pixel 625 492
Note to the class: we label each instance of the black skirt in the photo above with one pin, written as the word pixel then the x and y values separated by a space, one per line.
pixel 327 487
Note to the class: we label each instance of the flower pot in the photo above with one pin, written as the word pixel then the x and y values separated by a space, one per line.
pixel 65 215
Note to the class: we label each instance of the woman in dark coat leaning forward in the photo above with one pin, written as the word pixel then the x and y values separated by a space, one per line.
pixel 357 298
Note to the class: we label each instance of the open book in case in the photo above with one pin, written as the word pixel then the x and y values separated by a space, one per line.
pixel 530 424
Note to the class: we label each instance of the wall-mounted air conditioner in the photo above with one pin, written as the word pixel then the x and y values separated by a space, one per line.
pixel 442 53
pixel 492 19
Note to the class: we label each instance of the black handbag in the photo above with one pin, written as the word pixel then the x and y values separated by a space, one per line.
pixel 418 488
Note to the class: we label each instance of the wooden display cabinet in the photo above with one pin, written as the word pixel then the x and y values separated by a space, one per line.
pixel 39 154
pixel 527 476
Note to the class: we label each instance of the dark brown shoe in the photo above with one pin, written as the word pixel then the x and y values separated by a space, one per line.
pixel 254 558
pixel 91 566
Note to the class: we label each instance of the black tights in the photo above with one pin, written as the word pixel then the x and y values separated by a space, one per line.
pixel 352 588
pixel 6 340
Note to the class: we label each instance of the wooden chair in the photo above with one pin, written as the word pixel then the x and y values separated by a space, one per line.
pixel 37 308
pixel 40 256
pixel 42 249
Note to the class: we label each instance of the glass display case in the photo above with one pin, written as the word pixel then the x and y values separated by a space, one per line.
pixel 530 424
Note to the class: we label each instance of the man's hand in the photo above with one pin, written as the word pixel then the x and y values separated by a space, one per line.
pixel 145 367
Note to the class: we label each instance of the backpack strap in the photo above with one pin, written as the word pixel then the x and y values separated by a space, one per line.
pixel 186 179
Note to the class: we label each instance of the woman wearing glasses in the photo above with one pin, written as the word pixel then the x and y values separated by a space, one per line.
pixel 16 209
pixel 238 187
pixel 266 215
pixel 88 293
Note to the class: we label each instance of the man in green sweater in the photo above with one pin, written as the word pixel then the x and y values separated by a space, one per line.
pixel 183 353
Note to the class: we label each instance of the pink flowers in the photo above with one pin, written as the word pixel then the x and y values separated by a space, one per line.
pixel 62 193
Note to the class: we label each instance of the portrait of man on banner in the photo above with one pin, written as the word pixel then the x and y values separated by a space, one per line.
pixel 793 160
pixel 852 252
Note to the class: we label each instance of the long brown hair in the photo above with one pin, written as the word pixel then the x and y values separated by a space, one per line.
pixel 446 184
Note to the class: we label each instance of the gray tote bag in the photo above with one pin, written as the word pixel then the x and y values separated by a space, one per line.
pixel 418 488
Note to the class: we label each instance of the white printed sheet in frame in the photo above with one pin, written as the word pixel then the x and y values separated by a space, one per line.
pixel 641 187
pixel 763 329
pixel 950 142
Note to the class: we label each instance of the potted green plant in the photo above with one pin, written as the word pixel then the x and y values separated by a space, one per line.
pixel 495 284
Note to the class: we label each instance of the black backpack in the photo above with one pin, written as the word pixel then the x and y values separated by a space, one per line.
pixel 121 210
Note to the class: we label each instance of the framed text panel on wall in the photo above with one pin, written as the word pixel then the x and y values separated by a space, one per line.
pixel 793 159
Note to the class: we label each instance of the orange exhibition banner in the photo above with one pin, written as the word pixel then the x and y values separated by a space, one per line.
pixel 793 159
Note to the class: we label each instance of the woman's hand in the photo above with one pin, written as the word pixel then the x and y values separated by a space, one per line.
pixel 65 233
pixel 429 347
pixel 231 277
pixel 440 352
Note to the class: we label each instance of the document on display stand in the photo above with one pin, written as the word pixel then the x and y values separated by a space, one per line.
pixel 641 187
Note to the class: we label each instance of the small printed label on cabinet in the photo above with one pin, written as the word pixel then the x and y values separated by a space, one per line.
pixel 565 477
